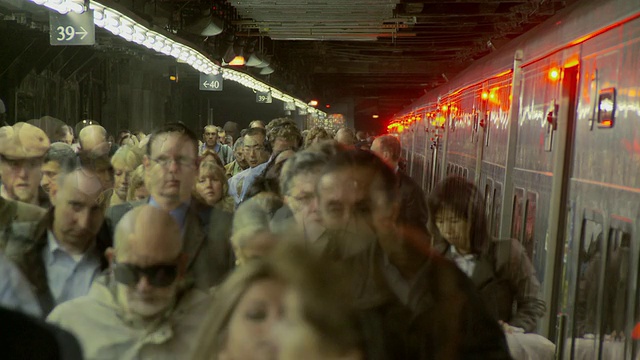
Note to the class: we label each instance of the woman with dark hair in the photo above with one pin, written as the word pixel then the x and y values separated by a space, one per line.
pixel 500 269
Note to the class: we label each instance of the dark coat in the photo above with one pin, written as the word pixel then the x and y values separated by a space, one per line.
pixel 445 317
pixel 15 211
pixel 504 275
pixel 24 337
pixel 24 242
pixel 206 242
pixel 413 203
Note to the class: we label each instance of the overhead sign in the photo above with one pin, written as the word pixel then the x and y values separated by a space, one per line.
pixel 289 106
pixel 263 97
pixel 211 82
pixel 72 28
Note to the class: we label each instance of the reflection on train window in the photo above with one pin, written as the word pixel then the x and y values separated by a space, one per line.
pixel 516 220
pixel 606 107
pixel 496 205
pixel 488 188
pixel 528 241
pixel 589 263
pixel 617 278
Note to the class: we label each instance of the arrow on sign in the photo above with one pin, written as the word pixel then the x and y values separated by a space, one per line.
pixel 83 33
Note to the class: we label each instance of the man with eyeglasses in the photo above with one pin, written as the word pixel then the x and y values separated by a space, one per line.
pixel 256 154
pixel 298 181
pixel 170 174
pixel 139 310
pixel 22 147
pixel 61 254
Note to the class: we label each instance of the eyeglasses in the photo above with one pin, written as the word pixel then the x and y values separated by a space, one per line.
pixel 180 161
pixel 157 275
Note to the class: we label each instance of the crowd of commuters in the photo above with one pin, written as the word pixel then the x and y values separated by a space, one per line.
pixel 264 243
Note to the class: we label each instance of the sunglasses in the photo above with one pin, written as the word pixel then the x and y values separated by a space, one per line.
pixel 157 275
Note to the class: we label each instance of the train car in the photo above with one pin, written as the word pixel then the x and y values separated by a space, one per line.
pixel 549 128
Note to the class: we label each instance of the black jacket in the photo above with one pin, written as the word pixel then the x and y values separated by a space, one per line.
pixel 445 317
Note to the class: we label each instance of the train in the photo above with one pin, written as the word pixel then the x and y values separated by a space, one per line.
pixel 548 127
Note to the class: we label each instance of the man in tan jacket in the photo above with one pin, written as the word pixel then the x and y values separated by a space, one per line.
pixel 140 309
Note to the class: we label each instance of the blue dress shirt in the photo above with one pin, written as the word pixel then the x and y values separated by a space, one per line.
pixel 69 276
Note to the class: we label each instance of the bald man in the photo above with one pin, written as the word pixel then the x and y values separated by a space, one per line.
pixel 139 309
pixel 63 253
pixel 93 141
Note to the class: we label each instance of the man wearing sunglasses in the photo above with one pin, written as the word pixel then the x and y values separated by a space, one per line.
pixel 139 309
pixel 170 173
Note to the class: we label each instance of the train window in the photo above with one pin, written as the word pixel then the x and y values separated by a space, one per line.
pixel 588 275
pixel 496 208
pixel 466 173
pixel 517 214
pixel 528 241
pixel 617 272
pixel 606 107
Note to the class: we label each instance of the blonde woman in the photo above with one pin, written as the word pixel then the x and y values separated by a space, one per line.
pixel 124 162
pixel 137 188
pixel 211 188
pixel 291 305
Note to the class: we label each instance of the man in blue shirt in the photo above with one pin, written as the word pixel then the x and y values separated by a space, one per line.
pixel 61 254
pixel 256 153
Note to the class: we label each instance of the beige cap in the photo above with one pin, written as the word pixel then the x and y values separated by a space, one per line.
pixel 22 141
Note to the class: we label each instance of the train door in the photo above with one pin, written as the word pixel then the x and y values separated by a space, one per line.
pixel 601 275
pixel 560 125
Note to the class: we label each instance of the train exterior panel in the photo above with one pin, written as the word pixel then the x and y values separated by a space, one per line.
pixel 549 128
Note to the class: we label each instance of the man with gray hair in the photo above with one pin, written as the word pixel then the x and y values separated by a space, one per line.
pixel 22 147
pixel 140 309
pixel 345 136
pixel 93 141
pixel 239 164
pixel 298 181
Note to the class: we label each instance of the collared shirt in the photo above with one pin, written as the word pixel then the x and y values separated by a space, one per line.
pixel 179 214
pixel 466 263
pixel 241 183
pixel 15 291
pixel 69 276
pixel 105 331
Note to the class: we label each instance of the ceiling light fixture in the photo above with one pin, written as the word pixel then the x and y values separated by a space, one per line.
pixel 129 29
